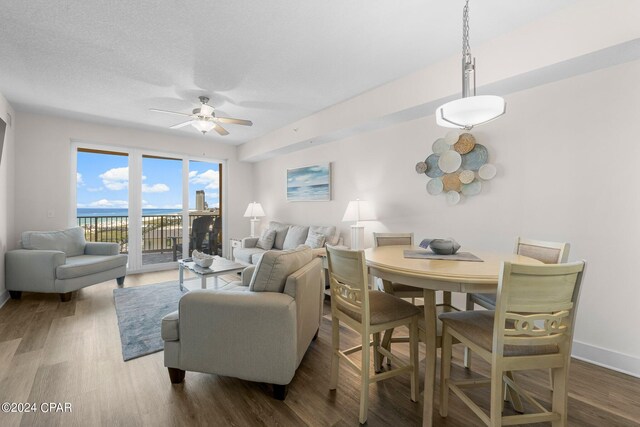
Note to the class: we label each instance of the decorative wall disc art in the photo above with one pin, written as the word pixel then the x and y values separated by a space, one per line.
pixel 457 166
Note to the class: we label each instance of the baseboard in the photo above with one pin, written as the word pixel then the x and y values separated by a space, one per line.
pixel 609 359
pixel 4 297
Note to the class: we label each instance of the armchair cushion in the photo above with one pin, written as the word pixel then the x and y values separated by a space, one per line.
pixel 70 241
pixel 275 266
pixel 267 239
pixel 101 248
pixel 281 233
pixel 296 236
pixel 86 265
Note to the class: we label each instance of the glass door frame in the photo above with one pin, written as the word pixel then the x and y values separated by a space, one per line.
pixel 135 156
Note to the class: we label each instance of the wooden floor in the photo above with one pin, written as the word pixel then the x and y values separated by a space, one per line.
pixel 70 352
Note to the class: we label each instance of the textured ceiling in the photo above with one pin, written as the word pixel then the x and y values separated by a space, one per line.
pixel 270 61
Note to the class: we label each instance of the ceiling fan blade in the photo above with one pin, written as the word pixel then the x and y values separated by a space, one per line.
pixel 231 121
pixel 169 112
pixel 222 131
pixel 181 125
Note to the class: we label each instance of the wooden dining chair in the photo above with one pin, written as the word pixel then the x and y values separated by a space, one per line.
pixel 547 252
pixel 531 328
pixel 368 313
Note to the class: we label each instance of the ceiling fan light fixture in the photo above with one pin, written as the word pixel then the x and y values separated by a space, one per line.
pixel 471 110
pixel 203 126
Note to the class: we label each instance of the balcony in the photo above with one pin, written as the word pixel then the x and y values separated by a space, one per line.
pixel 161 234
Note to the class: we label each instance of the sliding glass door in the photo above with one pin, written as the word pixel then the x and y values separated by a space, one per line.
pixel 157 207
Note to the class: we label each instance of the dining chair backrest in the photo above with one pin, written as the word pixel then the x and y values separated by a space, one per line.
pixel 547 252
pixel 536 304
pixel 392 239
pixel 348 281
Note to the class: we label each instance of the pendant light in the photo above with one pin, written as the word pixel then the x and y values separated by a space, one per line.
pixel 471 110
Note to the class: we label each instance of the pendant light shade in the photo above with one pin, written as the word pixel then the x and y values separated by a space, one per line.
pixel 471 110
pixel 465 113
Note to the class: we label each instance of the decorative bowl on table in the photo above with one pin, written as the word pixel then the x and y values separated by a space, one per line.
pixel 201 259
pixel 441 246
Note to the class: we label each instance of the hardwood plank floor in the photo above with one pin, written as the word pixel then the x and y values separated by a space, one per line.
pixel 70 352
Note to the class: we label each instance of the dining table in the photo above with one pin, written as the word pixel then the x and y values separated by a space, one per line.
pixel 450 275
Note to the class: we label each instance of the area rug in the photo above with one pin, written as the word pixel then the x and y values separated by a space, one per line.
pixel 140 311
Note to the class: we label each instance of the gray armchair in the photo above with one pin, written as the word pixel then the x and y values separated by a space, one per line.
pixel 257 329
pixel 61 262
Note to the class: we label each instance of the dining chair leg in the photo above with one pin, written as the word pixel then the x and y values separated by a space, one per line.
pixel 496 394
pixel 335 358
pixel 512 396
pixel 364 382
pixel 559 399
pixel 413 355
pixel 377 357
pixel 467 351
pixel 445 371
pixel 386 343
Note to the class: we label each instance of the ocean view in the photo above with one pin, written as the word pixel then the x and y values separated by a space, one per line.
pixel 86 212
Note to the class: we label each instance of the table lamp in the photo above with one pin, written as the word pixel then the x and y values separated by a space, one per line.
pixel 254 210
pixel 358 210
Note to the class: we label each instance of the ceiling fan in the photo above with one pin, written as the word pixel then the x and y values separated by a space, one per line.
pixel 204 118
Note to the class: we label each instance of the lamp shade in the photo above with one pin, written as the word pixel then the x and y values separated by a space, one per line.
pixel 254 210
pixel 471 111
pixel 203 126
pixel 359 210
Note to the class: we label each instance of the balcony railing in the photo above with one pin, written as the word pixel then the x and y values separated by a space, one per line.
pixel 160 233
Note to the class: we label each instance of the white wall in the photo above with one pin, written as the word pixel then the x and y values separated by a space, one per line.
pixel 567 156
pixel 43 169
pixel 6 191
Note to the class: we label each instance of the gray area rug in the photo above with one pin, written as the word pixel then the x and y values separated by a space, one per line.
pixel 140 311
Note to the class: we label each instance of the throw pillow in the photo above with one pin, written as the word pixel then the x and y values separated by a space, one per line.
pixel 267 239
pixel 281 233
pixel 315 240
pixel 331 236
pixel 296 236
pixel 275 266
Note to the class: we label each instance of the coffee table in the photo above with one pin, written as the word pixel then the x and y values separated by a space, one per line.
pixel 219 267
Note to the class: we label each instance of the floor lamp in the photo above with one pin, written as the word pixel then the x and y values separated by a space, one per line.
pixel 254 210
pixel 358 210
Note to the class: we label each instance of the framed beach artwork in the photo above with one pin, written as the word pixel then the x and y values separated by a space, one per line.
pixel 309 183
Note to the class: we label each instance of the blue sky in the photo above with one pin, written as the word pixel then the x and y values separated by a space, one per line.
pixel 103 182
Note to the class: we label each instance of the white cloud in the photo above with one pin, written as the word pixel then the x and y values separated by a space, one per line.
pixel 175 206
pixel 79 180
pixel 116 178
pixel 94 190
pixel 104 203
pixel 209 178
pixel 155 188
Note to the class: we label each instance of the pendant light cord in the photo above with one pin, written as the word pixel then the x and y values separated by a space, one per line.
pixel 466 49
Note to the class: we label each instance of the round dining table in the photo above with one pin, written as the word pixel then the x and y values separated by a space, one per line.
pixel 390 264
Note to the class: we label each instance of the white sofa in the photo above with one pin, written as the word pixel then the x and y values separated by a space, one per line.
pixel 288 236
pixel 61 262
pixel 257 330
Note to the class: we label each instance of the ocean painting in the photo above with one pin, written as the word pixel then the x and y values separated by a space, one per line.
pixel 309 183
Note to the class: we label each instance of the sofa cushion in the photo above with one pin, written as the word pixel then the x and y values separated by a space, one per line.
pixel 296 236
pixel 275 266
pixel 169 329
pixel 267 239
pixel 70 241
pixel 245 254
pixel 255 258
pixel 281 233
pixel 315 240
pixel 86 265
pixel 330 234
